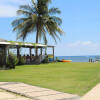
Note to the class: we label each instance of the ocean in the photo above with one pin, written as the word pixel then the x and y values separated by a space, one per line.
pixel 79 58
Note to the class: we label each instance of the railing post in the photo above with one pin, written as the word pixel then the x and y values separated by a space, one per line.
pixel 45 50
pixel 53 53
pixel 5 55
pixel 30 54
pixel 18 52
pixel 41 51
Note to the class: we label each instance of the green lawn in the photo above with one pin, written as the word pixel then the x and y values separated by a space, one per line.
pixel 76 78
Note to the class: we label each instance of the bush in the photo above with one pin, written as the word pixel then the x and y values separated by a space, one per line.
pixel 45 60
pixel 12 61
pixel 22 61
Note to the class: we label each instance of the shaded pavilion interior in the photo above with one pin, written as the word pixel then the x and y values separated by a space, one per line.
pixel 5 47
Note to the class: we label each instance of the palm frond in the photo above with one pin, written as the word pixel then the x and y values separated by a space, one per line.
pixel 28 8
pixel 53 29
pixel 33 2
pixel 22 25
pixel 22 12
pixel 28 28
pixel 56 20
pixel 18 21
pixel 54 11
pixel 35 5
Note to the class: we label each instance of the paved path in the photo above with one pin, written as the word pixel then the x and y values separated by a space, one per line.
pixel 94 94
pixel 4 95
pixel 36 93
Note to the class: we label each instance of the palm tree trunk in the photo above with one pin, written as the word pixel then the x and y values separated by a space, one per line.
pixel 36 52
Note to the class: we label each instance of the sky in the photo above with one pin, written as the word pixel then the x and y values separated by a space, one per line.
pixel 81 25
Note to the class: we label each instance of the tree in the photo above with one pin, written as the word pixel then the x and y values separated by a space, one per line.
pixel 38 18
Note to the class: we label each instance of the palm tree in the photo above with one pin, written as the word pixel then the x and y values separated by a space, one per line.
pixel 38 18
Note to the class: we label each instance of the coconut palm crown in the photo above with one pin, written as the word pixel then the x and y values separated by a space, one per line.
pixel 39 19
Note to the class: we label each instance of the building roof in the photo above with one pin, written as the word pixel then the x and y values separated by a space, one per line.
pixel 22 44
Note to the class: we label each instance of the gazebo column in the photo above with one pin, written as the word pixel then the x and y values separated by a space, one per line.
pixel 36 51
pixel 41 51
pixel 8 50
pixel 30 54
pixel 18 52
pixel 53 53
pixel 45 50
pixel 4 56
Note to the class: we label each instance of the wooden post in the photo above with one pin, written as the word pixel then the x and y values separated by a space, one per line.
pixel 18 52
pixel 8 51
pixel 36 51
pixel 53 53
pixel 45 50
pixel 41 51
pixel 30 54
pixel 4 57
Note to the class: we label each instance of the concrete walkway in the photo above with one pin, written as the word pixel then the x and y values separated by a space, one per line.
pixel 36 93
pixel 94 94
pixel 4 95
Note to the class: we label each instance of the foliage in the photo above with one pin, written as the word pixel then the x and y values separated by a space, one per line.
pixel 11 61
pixel 22 61
pixel 38 18
pixel 1 60
pixel 45 60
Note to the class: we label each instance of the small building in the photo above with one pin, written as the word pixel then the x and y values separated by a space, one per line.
pixel 6 45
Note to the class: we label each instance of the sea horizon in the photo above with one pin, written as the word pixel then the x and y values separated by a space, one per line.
pixel 82 58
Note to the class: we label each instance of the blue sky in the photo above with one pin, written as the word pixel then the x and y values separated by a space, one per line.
pixel 81 24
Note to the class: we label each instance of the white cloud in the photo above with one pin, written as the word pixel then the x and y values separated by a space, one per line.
pixel 7 11
pixel 84 44
pixel 80 43
pixel 78 48
pixel 13 1
pixel 8 7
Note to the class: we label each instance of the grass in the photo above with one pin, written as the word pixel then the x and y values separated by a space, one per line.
pixel 76 78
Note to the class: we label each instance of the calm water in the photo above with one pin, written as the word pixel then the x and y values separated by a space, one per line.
pixel 78 58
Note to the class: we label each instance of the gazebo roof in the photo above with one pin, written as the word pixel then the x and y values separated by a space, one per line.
pixel 22 44
pixel 2 40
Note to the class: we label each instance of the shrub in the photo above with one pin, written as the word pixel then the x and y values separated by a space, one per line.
pixel 45 60
pixel 12 61
pixel 22 61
